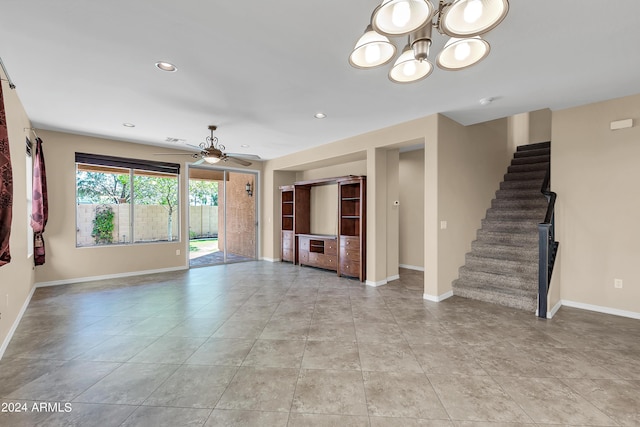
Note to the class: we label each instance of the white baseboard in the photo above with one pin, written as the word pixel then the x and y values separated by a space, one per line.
pixel 5 344
pixel 375 284
pixel 601 309
pixel 411 267
pixel 107 276
pixel 392 278
pixel 439 297
pixel 554 310
pixel 270 259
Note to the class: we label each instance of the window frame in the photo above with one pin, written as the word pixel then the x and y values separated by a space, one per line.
pixel 132 167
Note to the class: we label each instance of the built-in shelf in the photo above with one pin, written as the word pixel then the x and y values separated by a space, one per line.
pixel 299 246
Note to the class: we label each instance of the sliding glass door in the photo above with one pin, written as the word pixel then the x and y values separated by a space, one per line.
pixel 222 216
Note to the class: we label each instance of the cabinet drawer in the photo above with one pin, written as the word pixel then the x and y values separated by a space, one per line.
pixel 327 261
pixel 303 257
pixel 330 247
pixel 352 242
pixel 349 254
pixel 349 268
pixel 304 243
pixel 287 255
pixel 287 242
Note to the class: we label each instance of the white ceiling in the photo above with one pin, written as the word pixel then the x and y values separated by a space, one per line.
pixel 260 70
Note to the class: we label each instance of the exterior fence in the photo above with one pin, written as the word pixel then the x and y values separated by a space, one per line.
pixel 151 223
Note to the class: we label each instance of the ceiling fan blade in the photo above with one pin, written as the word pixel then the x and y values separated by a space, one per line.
pixel 198 162
pixel 245 156
pixel 173 154
pixel 239 161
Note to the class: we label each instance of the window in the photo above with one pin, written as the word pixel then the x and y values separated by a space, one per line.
pixel 123 201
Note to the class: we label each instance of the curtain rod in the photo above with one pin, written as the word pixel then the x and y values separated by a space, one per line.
pixel 11 85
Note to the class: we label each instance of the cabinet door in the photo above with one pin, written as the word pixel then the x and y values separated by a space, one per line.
pixel 303 257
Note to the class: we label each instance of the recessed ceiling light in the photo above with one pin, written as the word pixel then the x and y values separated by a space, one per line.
pixel 320 115
pixel 245 146
pixel 486 101
pixel 166 66
pixel 128 125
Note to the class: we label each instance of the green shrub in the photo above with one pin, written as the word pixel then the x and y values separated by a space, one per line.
pixel 103 225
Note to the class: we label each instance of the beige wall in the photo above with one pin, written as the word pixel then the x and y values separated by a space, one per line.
pixel 393 214
pixel 17 277
pixel 65 262
pixel 411 209
pixel 324 209
pixel 595 172
pixel 471 165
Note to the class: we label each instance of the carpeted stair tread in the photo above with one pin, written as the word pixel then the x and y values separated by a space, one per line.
pixel 502 266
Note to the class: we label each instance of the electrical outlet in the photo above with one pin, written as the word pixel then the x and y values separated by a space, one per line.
pixel 617 283
pixel 443 225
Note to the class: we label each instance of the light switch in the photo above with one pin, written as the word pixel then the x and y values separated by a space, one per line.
pixel 443 225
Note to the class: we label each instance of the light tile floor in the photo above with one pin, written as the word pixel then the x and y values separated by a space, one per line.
pixel 263 344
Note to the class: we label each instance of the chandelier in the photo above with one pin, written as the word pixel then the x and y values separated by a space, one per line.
pixel 463 20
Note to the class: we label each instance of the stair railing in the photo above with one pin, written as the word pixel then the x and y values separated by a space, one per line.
pixel 548 247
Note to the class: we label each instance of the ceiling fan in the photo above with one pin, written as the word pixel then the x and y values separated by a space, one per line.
pixel 213 152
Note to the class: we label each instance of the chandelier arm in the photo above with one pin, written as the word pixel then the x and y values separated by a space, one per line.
pixel 438 12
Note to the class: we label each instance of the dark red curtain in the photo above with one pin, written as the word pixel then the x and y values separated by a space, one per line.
pixel 6 187
pixel 40 206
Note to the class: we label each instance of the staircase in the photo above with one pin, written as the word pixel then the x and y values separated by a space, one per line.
pixel 502 267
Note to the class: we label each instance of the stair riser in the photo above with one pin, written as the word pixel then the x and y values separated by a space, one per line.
pixel 520 193
pixel 512 239
pixel 533 167
pixel 528 304
pixel 520 204
pixel 530 159
pixel 522 185
pixel 534 146
pixel 480 278
pixel 510 215
pixel 532 153
pixel 520 226
pixel 490 265
pixel 523 176
pixel 513 253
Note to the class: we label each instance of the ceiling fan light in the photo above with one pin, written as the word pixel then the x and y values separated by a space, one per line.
pixel 458 54
pixel 407 69
pixel 467 18
pixel 372 50
pixel 211 159
pixel 400 17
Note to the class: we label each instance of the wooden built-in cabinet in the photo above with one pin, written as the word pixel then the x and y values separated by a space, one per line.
pixel 295 210
pixel 344 253
pixel 318 251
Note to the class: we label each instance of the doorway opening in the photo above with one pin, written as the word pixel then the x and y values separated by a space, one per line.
pixel 222 216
